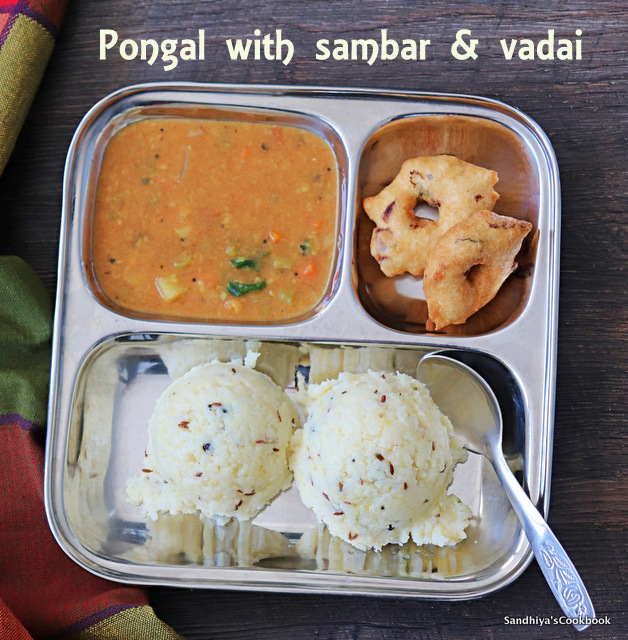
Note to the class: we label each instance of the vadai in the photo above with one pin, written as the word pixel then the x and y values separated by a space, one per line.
pixel 469 264
pixel 402 242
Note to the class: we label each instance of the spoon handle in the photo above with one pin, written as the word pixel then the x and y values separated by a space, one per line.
pixel 559 571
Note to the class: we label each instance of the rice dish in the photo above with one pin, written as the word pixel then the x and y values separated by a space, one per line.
pixel 374 461
pixel 217 445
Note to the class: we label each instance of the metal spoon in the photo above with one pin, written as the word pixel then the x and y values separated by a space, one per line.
pixel 467 400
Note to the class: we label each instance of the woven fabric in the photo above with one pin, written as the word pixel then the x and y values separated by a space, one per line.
pixel 28 29
pixel 25 318
pixel 44 594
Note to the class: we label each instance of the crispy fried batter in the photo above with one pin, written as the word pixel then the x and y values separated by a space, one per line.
pixel 402 242
pixel 469 264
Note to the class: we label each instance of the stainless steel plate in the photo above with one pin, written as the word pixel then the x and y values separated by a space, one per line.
pixel 108 369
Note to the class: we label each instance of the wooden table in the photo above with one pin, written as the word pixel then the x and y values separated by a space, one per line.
pixel 582 107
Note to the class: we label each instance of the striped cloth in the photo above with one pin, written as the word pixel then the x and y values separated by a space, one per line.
pixel 28 29
pixel 43 594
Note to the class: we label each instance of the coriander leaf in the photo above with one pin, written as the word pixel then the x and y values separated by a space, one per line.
pixel 248 263
pixel 237 289
pixel 245 263
pixel 309 246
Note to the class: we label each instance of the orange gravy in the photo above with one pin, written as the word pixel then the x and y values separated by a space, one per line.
pixel 215 220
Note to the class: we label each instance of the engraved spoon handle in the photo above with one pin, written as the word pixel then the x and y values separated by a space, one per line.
pixel 559 571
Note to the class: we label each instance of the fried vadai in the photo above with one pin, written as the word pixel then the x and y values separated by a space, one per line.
pixel 469 264
pixel 402 242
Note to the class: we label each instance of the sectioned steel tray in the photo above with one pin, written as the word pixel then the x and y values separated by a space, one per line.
pixel 109 366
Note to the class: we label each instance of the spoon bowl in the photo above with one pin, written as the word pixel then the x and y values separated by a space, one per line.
pixel 470 404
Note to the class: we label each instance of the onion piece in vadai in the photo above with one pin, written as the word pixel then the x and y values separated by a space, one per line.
pixel 469 264
pixel 402 242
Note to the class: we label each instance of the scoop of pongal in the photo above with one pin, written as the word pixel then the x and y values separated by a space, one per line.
pixel 217 445
pixel 374 461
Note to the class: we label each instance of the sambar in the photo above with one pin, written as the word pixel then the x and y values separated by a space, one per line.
pixel 215 220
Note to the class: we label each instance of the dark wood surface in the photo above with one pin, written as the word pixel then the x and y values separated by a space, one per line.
pixel 582 107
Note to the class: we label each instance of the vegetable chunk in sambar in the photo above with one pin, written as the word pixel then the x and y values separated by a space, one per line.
pixel 215 220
